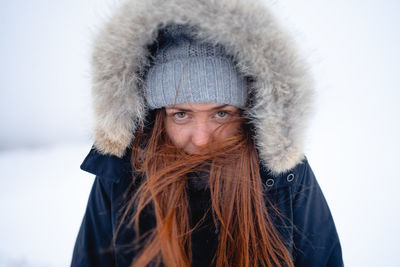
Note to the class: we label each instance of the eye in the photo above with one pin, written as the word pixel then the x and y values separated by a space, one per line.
pixel 221 114
pixel 180 115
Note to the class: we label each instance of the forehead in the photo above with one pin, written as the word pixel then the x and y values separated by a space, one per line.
pixel 197 107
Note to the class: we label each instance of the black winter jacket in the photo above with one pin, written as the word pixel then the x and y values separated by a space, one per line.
pixel 306 224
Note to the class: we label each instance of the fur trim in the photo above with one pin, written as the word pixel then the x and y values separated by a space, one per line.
pixel 282 90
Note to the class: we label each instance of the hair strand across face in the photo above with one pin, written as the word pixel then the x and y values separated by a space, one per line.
pixel 247 236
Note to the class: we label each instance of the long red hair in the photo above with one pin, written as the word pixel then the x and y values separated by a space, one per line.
pixel 247 236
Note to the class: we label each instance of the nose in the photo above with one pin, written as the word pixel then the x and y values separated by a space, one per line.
pixel 202 135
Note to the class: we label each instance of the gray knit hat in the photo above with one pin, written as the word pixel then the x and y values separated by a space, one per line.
pixel 184 70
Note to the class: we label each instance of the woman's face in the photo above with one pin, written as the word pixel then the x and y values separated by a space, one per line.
pixel 192 126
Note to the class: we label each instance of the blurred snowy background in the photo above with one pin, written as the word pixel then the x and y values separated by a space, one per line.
pixel 45 118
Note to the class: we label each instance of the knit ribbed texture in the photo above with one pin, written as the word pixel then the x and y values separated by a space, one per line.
pixel 186 71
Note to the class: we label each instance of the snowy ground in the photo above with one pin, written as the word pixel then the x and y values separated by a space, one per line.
pixel 43 194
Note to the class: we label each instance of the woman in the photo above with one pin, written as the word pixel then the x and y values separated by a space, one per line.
pixel 200 111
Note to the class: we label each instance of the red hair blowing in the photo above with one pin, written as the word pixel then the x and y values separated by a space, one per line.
pixel 247 236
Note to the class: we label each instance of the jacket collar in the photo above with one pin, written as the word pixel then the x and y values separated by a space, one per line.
pixel 108 167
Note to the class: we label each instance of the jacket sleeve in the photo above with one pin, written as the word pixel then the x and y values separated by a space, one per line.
pixel 93 245
pixel 316 242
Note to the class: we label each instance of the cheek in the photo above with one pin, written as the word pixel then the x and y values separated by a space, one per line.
pixel 176 133
pixel 228 130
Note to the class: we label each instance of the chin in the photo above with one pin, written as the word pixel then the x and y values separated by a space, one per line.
pixel 198 151
pixel 193 152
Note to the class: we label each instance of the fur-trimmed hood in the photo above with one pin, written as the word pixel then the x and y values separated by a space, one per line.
pixel 281 91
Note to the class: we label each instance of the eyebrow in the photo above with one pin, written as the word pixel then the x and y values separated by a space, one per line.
pixel 189 110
